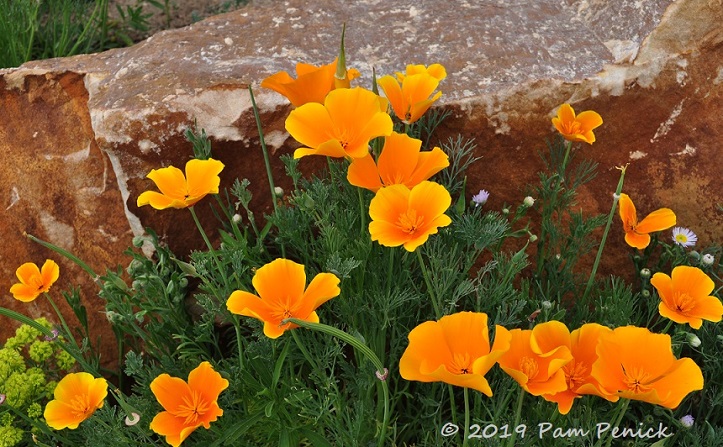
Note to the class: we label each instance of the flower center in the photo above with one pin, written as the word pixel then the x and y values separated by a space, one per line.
pixel 80 406
pixel 575 374
pixel 37 282
pixel 409 222
pixel 636 379
pixel 529 367
pixel 680 237
pixel 573 127
pixel 461 364
pixel 193 407
pixel 683 302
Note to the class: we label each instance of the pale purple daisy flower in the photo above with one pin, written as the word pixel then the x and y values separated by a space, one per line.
pixel 684 237
pixel 481 197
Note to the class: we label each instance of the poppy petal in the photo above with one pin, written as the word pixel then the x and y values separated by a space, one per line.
pixel 635 240
pixel 159 201
pixel 589 120
pixel 203 176
pixel 658 220
pixel 363 173
pixel 428 164
pixel 172 427
pixel 50 272
pixel 170 181
pixel 393 92
pixel 280 281
pixel 310 124
pixel 398 158
pixel 170 392
pixel 321 289
pixel 209 383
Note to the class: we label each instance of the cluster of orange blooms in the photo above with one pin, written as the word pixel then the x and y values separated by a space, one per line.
pixel 335 120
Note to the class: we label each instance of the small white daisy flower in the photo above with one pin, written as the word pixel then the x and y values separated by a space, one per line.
pixel 684 237
pixel 481 197
pixel 687 420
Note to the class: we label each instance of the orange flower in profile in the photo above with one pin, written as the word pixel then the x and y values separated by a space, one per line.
pixel 34 281
pixel 636 233
pixel 342 126
pixel 576 128
pixel 538 367
pixel 454 350
pixel 401 216
pixel 77 396
pixel 582 343
pixel 312 84
pixel 179 191
pixel 281 294
pixel 409 94
pixel 637 364
pixel 686 297
pixel 188 405
pixel 400 162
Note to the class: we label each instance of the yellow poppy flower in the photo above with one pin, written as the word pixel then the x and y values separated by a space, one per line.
pixel 636 233
pixel 454 350
pixel 686 297
pixel 437 71
pixel 400 162
pixel 187 405
pixel 312 84
pixel 637 364
pixel 410 96
pixel 77 396
pixel 34 281
pixel 536 367
pixel 582 343
pixel 576 128
pixel 401 216
pixel 281 294
pixel 179 191
pixel 342 126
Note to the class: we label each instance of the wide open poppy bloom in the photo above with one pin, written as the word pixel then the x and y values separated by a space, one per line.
pixel 400 162
pixel 454 350
pixel 410 94
pixel 188 405
pixel 576 128
pixel 34 281
pixel 637 233
pixel 582 343
pixel 179 191
pixel 538 368
pixel 342 126
pixel 77 396
pixel 401 216
pixel 637 364
pixel 686 296
pixel 312 84
pixel 280 286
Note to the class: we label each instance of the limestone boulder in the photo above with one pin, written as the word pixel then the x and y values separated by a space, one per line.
pixel 80 134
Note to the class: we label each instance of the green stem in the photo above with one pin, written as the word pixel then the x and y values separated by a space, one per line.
pixel 435 303
pixel 466 418
pixel 39 425
pixel 616 197
pixel 568 146
pixel 211 250
pixel 239 342
pixel 518 414
pixel 362 214
pixel 65 254
pixel 362 348
pixel 622 408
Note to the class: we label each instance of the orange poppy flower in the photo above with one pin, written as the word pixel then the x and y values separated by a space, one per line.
pixel 576 128
pixel 34 281
pixel 582 343
pixel 400 162
pixel 686 297
pixel 342 126
pixel 188 405
pixel 454 350
pixel 636 233
pixel 401 216
pixel 280 285
pixel 535 366
pixel 77 396
pixel 312 84
pixel 179 191
pixel 638 364
pixel 409 94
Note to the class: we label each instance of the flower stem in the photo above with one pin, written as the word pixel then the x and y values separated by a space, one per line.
pixel 595 265
pixel 466 418
pixel 435 303
pixel 361 347
pixel 65 254
pixel 518 414
pixel 621 409
pixel 211 250
pixel 362 214
pixel 39 425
